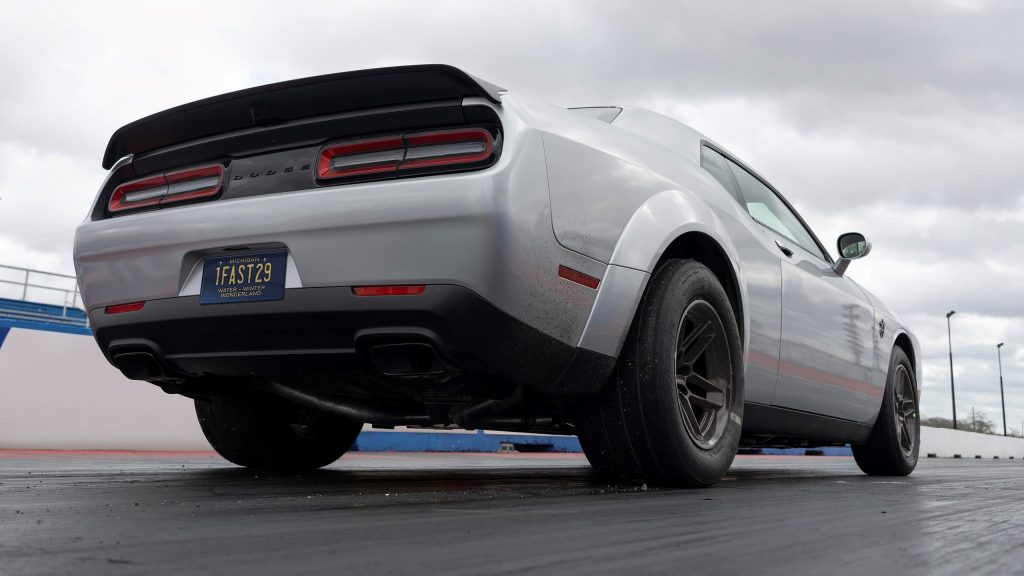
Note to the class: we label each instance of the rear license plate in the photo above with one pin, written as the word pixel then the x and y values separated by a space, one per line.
pixel 243 278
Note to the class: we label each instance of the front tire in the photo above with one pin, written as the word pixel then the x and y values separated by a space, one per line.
pixel 895 440
pixel 672 411
pixel 261 431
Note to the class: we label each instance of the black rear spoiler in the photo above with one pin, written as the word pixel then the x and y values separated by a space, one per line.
pixel 295 99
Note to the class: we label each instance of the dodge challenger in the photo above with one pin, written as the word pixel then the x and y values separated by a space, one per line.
pixel 413 246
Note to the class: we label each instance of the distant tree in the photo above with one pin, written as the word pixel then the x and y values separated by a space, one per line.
pixel 937 422
pixel 980 424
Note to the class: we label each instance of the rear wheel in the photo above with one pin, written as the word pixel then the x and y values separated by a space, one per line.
pixel 673 410
pixel 895 440
pixel 261 431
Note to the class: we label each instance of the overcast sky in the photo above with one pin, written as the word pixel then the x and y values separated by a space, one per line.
pixel 901 120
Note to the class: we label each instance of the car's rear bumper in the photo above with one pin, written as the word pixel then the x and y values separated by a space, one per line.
pixel 329 335
pixel 489 231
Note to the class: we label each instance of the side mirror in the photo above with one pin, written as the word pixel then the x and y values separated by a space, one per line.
pixel 851 246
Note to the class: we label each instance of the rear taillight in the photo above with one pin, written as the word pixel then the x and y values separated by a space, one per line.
pixel 175 186
pixel 138 193
pixel 466 147
pixel 447 148
pixel 193 183
pixel 361 158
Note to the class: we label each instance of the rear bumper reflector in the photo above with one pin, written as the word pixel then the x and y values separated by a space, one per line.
pixel 129 307
pixel 409 290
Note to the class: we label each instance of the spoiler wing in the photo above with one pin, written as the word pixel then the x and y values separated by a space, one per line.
pixel 292 100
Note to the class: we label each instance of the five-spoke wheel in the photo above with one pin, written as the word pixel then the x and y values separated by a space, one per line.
pixel 703 374
pixel 905 409
pixel 673 409
pixel 892 447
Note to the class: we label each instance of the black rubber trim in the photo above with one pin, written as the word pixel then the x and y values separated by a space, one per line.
pixel 777 421
pixel 586 374
pixel 325 333
pixel 294 99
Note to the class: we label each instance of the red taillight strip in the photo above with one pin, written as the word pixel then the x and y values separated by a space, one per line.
pixel 445 148
pixel 175 186
pixel 193 183
pixel 129 307
pixel 578 277
pixel 138 193
pixel 395 154
pixel 375 156
pixel 407 290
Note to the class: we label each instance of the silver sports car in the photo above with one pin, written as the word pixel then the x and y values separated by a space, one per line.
pixel 413 246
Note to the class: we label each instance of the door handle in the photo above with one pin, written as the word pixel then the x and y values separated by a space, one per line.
pixel 786 251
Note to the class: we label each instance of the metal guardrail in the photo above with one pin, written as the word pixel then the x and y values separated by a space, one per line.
pixel 37 280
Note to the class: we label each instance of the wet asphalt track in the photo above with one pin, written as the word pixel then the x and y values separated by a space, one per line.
pixel 132 513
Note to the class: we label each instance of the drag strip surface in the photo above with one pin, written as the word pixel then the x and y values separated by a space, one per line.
pixel 139 513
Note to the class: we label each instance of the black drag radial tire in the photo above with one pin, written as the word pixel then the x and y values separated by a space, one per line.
pixel 633 431
pixel 262 431
pixel 882 455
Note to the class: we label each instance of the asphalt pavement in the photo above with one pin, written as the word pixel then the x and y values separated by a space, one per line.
pixel 455 514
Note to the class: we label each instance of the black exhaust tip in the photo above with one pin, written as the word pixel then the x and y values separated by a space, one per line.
pixel 413 359
pixel 138 365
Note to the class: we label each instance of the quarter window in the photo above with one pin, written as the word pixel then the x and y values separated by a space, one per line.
pixel 718 166
pixel 765 206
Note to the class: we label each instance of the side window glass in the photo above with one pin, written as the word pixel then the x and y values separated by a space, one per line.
pixel 765 206
pixel 716 165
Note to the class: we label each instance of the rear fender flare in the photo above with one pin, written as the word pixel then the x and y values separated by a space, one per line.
pixel 654 225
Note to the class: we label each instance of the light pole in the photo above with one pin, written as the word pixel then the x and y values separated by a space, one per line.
pixel 952 389
pixel 999 354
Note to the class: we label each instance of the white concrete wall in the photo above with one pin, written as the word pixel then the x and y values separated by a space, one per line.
pixel 946 443
pixel 58 392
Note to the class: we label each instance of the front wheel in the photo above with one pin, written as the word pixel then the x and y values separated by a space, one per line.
pixel 672 411
pixel 261 431
pixel 895 440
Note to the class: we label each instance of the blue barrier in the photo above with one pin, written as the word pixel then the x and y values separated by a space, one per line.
pixel 396 441
pixel 9 323
pixel 52 310
pixel 823 451
pixel 399 441
pixel 37 316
